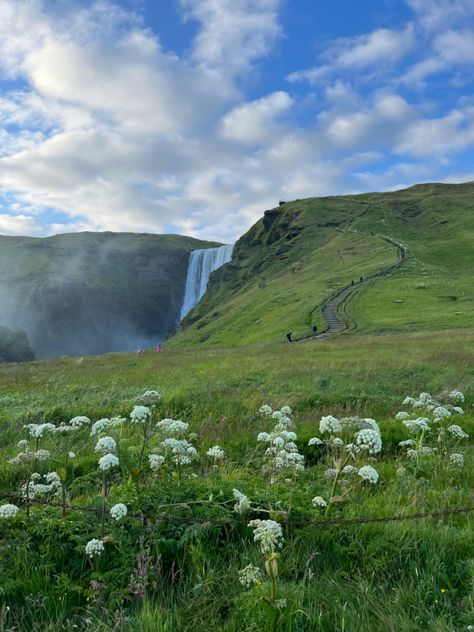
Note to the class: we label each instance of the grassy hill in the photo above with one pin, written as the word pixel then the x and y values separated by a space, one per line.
pixel 89 293
pixel 287 265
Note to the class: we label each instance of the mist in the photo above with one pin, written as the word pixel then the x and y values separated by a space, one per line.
pixel 93 293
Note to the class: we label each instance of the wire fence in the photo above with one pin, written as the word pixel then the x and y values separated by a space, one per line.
pixel 163 517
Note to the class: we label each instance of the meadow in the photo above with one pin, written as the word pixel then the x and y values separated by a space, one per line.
pixel 182 555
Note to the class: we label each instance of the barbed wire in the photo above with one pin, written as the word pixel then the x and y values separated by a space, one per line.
pixel 161 517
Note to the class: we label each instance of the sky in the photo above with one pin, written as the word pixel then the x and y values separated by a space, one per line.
pixel 195 116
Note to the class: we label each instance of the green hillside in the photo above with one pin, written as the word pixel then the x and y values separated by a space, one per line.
pixel 89 293
pixel 291 261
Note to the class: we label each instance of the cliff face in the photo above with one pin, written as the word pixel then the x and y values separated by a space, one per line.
pixel 90 293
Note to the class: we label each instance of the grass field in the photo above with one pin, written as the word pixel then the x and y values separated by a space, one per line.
pixel 157 576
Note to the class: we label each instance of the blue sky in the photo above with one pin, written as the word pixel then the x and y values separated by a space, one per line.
pixel 194 116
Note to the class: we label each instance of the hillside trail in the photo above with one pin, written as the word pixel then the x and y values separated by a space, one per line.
pixel 330 309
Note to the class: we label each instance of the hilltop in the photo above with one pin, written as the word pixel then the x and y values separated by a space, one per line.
pixel 90 293
pixel 291 261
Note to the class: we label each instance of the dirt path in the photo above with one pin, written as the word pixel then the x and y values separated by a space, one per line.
pixel 330 309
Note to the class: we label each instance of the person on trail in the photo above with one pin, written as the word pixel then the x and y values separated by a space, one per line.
pixel 288 337
pixel 352 282
pixel 361 279
pixel 315 331
pixel 158 348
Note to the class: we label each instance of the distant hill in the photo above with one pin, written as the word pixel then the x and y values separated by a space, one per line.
pixel 91 293
pixel 291 261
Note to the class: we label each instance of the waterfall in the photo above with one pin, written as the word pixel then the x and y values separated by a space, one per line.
pixel 201 264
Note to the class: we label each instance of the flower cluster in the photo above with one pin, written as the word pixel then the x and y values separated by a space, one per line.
pixel 216 453
pixel 457 432
pixel 8 511
pixel 368 473
pixel 149 399
pixel 282 450
pixel 330 425
pixel 106 445
pixel 118 511
pixel 35 486
pixel 94 548
pixel 140 415
pixel 80 421
pixel 99 426
pixel 268 534
pixel 108 461
pixel 318 501
pixel 37 431
pixel 156 461
pixel 172 427
pixel 250 576
pixel 183 453
pixel 369 440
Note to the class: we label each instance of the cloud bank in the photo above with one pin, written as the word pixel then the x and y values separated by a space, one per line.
pixel 103 128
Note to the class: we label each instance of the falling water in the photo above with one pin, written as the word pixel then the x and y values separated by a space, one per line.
pixel 201 264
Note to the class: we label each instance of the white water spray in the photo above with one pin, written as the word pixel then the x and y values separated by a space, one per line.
pixel 201 264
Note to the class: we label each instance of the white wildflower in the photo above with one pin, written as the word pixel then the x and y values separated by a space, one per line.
pixel 458 410
pixel 369 440
pixel 330 425
pixel 368 473
pixel 263 437
pixel 315 441
pixel 409 401
pixel 417 425
pixel 71 455
pixel 172 426
pixel 118 511
pixel 250 576
pixel 149 398
pixel 116 421
pixel 337 442
pixel 183 452
pixel 23 444
pixel 99 426
pixel 156 461
pixel 402 415
pixel 268 533
pixel 94 548
pixel 106 444
pixel 107 462
pixel 456 396
pixel 407 443
pixel 216 452
pixel 440 412
pixel 457 459
pixel 8 511
pixel 458 432
pixel 286 410
pixel 80 421
pixel 242 506
pixel 401 471
pixel 318 501
pixel 37 430
pixel 265 410
pixel 349 469
pixel 41 455
pixel 140 415
pixel 65 429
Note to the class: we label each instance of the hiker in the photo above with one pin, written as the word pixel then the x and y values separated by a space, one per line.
pixel 315 331
pixel 288 337
pixel 352 282
pixel 158 348
pixel 361 279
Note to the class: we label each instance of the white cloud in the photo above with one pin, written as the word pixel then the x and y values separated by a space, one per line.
pixel 438 14
pixel 255 122
pixel 234 33
pixel 438 137
pixel 372 51
pixel 19 225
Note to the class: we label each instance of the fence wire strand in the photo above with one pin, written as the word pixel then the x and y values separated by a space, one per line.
pixel 229 521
